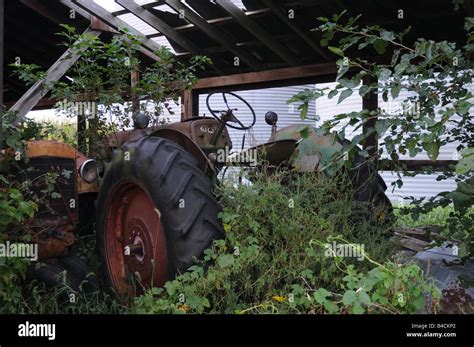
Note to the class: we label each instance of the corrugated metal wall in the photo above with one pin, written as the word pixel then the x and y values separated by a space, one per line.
pixel 275 99
pixel 262 101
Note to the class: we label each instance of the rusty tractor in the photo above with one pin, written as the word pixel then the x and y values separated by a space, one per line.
pixel 156 212
pixel 65 183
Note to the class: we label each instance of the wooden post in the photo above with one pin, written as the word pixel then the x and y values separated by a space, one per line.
pixel 134 78
pixel 186 105
pixel 370 103
pixel 190 104
pixel 81 127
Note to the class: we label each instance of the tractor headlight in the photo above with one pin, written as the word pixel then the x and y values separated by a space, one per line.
pixel 89 171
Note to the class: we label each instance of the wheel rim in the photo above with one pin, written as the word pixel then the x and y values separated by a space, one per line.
pixel 135 244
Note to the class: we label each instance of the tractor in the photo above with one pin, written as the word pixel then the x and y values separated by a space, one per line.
pixel 156 211
pixel 65 183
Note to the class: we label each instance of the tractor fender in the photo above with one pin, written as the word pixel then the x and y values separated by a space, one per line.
pixel 188 145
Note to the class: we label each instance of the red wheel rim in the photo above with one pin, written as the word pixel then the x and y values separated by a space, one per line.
pixel 135 244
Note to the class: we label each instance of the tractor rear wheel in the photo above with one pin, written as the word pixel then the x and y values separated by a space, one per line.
pixel 369 187
pixel 155 215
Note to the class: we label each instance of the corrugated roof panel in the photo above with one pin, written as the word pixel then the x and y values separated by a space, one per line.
pixel 109 5
pixel 163 41
pixel 137 24
pixel 144 2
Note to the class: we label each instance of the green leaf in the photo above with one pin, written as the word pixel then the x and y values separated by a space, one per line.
pixel 384 74
pixel 344 95
pixel 358 309
pixel 225 260
pixel 349 297
pixel 331 307
pixel 363 90
pixel 387 35
pixel 396 90
pixel 432 149
pixel 303 110
pixel 380 46
pixel 332 93
pixel 320 295
pixel 381 126
pixel 364 298
pixel 336 51
pixel 466 164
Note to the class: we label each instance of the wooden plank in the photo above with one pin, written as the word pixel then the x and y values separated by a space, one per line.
pixel 413 244
pixel 215 33
pixel 163 27
pixel 370 102
pixel 34 94
pixel 159 25
pixel 40 8
pixel 419 165
pixel 115 23
pixel 215 21
pixel 77 9
pixel 96 23
pixel 280 13
pixel 268 75
pixel 256 30
pixel 187 105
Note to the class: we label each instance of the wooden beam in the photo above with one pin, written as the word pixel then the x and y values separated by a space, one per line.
pixel 163 27
pixel 256 30
pixel 280 13
pixel 115 23
pixel 98 24
pixel 418 165
pixel 159 25
pixel 370 103
pixel 216 34
pixel 36 92
pixel 216 21
pixel 40 8
pixel 267 76
pixel 76 9
pixel 187 105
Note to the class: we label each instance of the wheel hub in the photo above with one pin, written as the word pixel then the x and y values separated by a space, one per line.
pixel 135 240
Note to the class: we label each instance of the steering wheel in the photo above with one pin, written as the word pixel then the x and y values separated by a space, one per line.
pixel 224 116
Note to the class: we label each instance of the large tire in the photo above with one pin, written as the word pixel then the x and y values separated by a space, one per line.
pixel 164 173
pixel 81 272
pixel 54 277
pixel 369 187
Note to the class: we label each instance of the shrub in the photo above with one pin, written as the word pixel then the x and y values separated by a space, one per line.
pixel 271 260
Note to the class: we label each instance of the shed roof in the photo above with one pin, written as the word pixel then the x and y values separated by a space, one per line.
pixel 263 34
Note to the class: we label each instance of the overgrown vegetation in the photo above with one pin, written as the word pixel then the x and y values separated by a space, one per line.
pixel 277 258
pixel 282 248
pixel 436 75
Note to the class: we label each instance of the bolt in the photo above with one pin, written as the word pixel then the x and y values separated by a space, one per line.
pixel 135 249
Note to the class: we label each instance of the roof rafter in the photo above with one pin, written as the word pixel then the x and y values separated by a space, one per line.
pixel 215 33
pixel 280 13
pixel 256 30
pixel 115 23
